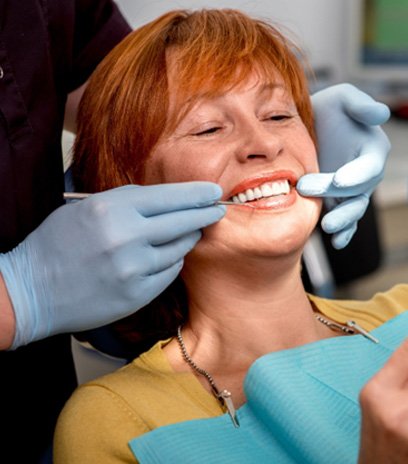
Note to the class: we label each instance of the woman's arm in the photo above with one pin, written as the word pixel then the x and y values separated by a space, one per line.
pixel 384 407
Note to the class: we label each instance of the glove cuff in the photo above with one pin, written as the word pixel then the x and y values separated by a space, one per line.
pixel 18 275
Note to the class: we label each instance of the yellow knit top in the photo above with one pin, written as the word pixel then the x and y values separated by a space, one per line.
pixel 103 415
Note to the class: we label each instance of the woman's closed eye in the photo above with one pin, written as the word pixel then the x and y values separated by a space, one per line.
pixel 207 131
pixel 279 117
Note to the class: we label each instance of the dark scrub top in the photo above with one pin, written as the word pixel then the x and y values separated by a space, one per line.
pixel 47 49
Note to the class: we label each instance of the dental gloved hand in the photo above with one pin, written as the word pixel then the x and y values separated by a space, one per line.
pixel 352 153
pixel 100 259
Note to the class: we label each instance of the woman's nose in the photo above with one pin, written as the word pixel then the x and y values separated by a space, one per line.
pixel 257 141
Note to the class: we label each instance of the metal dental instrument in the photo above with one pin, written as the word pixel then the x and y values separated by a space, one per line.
pixel 81 196
pixel 76 196
pixel 222 202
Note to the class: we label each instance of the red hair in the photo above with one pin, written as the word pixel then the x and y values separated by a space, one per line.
pixel 125 110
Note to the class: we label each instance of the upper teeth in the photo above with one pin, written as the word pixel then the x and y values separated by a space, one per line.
pixel 268 189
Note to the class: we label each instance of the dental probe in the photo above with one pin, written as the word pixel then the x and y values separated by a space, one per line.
pixel 225 202
pixel 81 196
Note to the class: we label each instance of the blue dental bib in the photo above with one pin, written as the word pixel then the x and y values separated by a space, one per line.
pixel 302 407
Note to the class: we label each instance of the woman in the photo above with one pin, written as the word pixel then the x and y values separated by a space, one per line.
pixel 213 96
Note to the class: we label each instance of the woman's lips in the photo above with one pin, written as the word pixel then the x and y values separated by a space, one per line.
pixel 273 190
pixel 257 181
pixel 269 203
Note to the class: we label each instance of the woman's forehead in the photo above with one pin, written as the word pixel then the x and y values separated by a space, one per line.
pixel 239 78
pixel 185 92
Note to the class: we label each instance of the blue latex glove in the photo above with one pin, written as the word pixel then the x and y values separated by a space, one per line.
pixel 352 153
pixel 100 259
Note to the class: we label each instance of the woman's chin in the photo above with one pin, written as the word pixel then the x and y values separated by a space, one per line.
pixel 262 235
pixel 276 246
pixel 253 246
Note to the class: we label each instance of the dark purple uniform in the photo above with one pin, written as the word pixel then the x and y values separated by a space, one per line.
pixel 47 49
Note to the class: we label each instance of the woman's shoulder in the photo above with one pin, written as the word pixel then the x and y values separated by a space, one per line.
pixel 116 396
pixel 103 414
pixel 370 313
pixel 138 382
pixel 98 421
pixel 147 391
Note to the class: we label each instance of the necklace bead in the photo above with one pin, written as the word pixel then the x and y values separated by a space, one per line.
pixel 335 326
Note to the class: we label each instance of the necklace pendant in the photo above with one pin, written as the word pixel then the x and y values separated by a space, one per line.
pixel 226 398
pixel 362 331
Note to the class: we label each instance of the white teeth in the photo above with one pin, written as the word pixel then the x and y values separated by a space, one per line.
pixel 242 197
pixel 257 193
pixel 266 190
pixel 250 194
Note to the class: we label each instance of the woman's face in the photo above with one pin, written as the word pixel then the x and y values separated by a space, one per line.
pixel 252 142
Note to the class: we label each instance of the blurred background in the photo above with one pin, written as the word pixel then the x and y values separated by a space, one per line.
pixel 364 42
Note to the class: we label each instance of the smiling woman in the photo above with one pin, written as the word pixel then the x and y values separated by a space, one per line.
pixel 218 96
pixel 186 125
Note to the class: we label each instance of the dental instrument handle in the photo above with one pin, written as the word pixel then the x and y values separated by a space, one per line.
pixel 75 195
pixel 81 196
pixel 222 202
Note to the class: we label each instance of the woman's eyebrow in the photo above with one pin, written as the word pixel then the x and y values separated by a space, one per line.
pixel 270 87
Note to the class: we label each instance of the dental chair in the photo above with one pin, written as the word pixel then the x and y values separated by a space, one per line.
pixel 97 352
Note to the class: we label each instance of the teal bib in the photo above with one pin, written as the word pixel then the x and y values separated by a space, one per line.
pixel 302 408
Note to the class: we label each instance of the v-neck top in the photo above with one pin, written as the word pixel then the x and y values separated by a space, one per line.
pixel 103 415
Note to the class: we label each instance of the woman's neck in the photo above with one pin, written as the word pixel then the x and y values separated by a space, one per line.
pixel 237 315
pixel 257 308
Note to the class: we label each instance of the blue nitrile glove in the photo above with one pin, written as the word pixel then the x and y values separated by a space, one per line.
pixel 100 259
pixel 352 153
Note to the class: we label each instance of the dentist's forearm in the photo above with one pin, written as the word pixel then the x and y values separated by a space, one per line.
pixel 7 318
